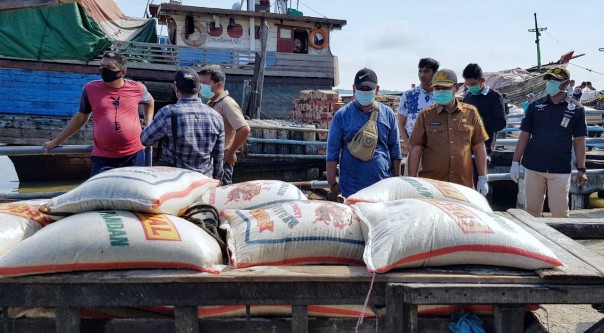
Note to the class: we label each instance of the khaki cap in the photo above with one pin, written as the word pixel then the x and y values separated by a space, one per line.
pixel 444 78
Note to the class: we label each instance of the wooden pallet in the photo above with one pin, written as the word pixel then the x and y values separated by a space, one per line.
pixel 579 281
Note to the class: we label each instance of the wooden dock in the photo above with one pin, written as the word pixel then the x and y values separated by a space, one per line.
pixel 579 281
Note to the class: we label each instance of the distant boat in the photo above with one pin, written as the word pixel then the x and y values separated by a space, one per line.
pixel 517 83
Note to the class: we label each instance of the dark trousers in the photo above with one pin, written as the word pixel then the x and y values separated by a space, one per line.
pixel 100 164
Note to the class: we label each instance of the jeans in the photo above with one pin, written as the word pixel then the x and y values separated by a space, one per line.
pixel 227 175
pixel 100 164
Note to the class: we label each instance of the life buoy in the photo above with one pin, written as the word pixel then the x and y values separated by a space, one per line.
pixel 195 39
pixel 318 39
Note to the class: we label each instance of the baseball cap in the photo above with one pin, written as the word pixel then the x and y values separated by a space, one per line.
pixel 530 95
pixel 557 73
pixel 187 81
pixel 444 78
pixel 365 78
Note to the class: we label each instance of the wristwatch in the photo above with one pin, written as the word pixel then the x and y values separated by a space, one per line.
pixel 582 169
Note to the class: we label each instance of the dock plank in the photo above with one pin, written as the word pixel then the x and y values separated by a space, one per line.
pixel 576 249
pixel 575 269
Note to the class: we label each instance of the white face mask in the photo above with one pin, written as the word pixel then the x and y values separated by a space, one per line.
pixel 365 98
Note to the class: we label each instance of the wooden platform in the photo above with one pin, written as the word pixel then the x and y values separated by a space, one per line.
pixel 579 281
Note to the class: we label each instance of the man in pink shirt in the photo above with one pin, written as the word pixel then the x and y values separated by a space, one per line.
pixel 116 126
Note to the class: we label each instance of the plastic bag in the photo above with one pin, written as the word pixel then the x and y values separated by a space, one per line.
pixel 466 322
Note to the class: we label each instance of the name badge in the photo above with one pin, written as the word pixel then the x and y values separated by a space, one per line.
pixel 435 123
pixel 565 121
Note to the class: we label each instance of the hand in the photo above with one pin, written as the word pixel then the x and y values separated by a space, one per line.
pixel 230 158
pixel 483 185
pixel 515 171
pixel 49 145
pixel 334 191
pixel 581 178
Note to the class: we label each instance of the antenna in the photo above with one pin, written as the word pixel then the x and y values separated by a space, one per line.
pixel 537 34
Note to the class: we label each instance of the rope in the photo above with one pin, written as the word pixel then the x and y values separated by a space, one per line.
pixel 362 316
pixel 208 224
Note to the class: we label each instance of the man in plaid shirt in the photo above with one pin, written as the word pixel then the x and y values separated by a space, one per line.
pixel 197 143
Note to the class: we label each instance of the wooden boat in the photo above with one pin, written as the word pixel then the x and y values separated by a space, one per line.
pixel 41 92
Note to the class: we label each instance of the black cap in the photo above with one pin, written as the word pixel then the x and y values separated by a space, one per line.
pixel 365 78
pixel 187 81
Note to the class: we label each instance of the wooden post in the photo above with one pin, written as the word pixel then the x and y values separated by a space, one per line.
pixel 394 308
pixel 260 83
pixel 509 318
pixel 68 320
pixel 185 319
pixel 299 319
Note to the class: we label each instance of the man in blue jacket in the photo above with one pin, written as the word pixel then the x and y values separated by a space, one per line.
pixel 356 174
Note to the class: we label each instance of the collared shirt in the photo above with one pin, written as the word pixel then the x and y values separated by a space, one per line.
pixel 411 103
pixel 552 128
pixel 356 174
pixel 115 119
pixel 492 111
pixel 447 140
pixel 232 115
pixel 200 141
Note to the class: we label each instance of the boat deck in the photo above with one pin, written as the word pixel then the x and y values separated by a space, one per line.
pixel 579 281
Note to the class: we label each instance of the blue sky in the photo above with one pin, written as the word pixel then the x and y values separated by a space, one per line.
pixel 390 36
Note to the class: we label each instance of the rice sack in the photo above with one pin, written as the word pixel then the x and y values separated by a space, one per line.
pixel 113 240
pixel 294 233
pixel 427 232
pixel 18 221
pixel 252 194
pixel 140 189
pixel 396 188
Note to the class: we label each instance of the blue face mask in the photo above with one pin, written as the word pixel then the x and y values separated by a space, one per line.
pixel 443 97
pixel 474 90
pixel 206 91
pixel 364 97
pixel 552 87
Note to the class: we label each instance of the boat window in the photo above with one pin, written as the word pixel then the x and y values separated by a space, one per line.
pixel 300 41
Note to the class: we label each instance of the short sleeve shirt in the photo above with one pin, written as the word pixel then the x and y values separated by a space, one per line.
pixel 447 140
pixel 411 103
pixel 232 115
pixel 552 128
pixel 115 119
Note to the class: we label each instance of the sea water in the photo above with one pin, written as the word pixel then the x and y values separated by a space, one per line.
pixel 9 181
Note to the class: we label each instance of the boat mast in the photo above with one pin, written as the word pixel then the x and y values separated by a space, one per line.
pixel 537 34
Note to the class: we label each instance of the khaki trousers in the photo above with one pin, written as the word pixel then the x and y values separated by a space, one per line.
pixel 557 186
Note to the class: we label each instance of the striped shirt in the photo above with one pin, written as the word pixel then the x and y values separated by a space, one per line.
pixel 199 141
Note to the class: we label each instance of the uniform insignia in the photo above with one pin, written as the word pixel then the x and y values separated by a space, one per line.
pixel 435 123
pixel 540 106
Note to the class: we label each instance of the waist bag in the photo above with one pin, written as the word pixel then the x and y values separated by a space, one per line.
pixel 364 142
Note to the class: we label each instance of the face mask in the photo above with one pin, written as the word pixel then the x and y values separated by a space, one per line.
pixel 552 87
pixel 206 91
pixel 443 97
pixel 109 75
pixel 474 89
pixel 364 97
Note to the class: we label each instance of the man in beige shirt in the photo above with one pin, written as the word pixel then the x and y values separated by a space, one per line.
pixel 236 129
pixel 445 135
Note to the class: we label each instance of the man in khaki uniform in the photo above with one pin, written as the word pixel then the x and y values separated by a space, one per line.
pixel 236 129
pixel 445 135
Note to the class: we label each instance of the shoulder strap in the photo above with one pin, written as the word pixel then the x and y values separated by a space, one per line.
pixel 174 127
pixel 374 114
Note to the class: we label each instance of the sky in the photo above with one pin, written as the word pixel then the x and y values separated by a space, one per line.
pixel 390 36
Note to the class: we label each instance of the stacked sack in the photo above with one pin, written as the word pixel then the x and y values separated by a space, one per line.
pixel 121 218
pixel 416 222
